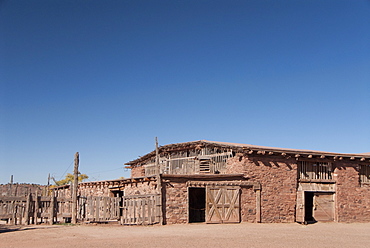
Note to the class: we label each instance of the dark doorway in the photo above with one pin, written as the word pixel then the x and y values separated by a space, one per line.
pixel 117 193
pixel 308 209
pixel 197 205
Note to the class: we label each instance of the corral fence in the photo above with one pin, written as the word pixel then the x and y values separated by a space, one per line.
pixel 127 210
pixel 141 210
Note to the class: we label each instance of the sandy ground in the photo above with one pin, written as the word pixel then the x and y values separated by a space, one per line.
pixel 190 235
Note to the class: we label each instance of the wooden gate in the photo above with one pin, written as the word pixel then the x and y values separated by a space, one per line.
pixel 323 206
pixel 222 204
pixel 141 209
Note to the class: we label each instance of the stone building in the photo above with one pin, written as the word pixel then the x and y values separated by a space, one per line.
pixel 227 182
pixel 218 182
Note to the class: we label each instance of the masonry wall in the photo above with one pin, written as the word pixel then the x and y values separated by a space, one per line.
pixel 22 189
pixel 94 189
pixel 176 199
pixel 248 205
pixel 138 172
pixel 353 199
pixel 141 188
pixel 278 177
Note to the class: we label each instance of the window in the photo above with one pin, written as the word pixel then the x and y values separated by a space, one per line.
pixel 365 173
pixel 315 170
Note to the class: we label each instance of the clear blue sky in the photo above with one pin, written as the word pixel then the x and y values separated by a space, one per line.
pixel 103 78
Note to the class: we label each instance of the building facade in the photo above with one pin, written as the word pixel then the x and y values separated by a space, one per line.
pixel 218 182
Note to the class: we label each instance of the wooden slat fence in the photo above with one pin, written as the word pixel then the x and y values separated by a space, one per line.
pixel 141 209
pixel 99 208
pixel 130 210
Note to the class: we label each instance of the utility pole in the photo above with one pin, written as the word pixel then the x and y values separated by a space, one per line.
pixel 74 189
pixel 159 180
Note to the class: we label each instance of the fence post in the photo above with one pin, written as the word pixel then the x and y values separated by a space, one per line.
pixel 36 211
pixel 27 209
pixel 52 208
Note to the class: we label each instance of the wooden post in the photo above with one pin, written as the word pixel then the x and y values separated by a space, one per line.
pixel 74 189
pixel 52 208
pixel 48 188
pixel 10 186
pixel 27 209
pixel 159 180
pixel 258 205
pixel 36 208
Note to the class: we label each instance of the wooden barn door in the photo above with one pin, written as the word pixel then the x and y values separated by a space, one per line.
pixel 323 206
pixel 222 204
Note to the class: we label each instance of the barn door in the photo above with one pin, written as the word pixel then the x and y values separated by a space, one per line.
pixel 222 204
pixel 323 206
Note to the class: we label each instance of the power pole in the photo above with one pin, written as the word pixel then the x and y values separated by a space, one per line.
pixel 74 189
pixel 159 180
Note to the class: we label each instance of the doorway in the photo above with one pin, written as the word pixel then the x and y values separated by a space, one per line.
pixel 308 211
pixel 197 205
pixel 319 206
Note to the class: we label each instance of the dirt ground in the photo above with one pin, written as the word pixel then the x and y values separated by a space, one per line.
pixel 190 235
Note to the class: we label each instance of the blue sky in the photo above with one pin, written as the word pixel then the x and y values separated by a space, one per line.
pixel 104 78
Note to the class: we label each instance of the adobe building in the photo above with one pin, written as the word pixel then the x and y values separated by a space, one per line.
pixel 218 182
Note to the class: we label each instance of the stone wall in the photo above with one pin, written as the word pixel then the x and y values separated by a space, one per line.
pixel 138 172
pixel 176 198
pixel 248 205
pixel 141 188
pixel 278 177
pixel 353 199
pixel 22 189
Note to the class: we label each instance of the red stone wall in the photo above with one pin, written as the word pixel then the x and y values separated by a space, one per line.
pixel 278 177
pixel 352 199
pixel 98 189
pixel 248 205
pixel 138 172
pixel 141 188
pixel 176 194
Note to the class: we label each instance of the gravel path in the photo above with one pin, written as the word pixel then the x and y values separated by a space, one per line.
pixel 191 235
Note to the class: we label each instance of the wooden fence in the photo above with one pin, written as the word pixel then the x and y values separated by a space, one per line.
pixel 141 210
pixel 32 209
